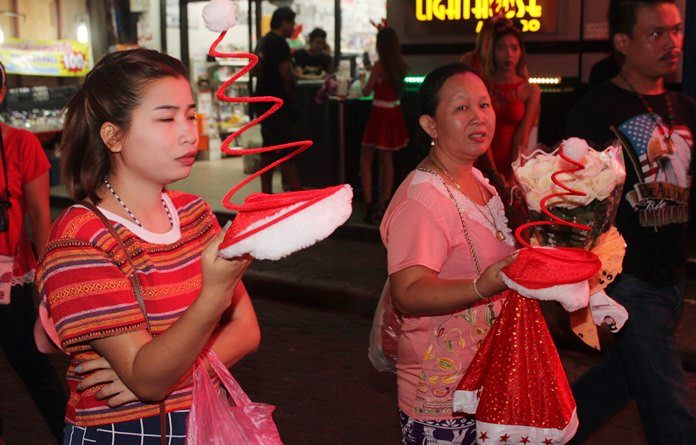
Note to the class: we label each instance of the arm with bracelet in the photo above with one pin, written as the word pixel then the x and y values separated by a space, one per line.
pixel 418 285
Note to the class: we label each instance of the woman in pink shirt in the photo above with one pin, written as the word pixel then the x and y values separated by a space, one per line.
pixel 447 239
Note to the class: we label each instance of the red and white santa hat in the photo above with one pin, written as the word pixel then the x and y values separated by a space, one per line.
pixel 270 226
pixel 516 385
pixel 558 274
pixel 274 226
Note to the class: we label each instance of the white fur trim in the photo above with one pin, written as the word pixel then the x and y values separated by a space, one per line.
pixel 466 401
pixel 296 232
pixel 24 279
pixel 572 296
pixel 220 15
pixel 517 433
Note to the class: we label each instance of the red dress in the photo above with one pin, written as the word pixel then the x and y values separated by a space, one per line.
pixel 386 128
pixel 509 112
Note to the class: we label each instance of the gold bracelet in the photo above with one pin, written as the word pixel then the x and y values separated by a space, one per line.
pixel 477 291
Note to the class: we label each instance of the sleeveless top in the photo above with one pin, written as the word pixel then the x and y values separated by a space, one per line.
pixel 509 112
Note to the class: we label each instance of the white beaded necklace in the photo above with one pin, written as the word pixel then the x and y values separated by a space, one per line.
pixel 125 207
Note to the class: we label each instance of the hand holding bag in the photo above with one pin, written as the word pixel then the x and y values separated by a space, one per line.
pixel 218 420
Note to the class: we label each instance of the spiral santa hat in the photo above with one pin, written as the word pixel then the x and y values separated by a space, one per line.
pixel 270 226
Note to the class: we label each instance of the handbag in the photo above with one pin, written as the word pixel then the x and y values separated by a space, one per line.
pixel 217 418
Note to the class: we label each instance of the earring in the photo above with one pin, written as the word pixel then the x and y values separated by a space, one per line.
pixel 432 142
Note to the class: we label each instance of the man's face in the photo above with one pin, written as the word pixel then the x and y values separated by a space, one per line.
pixel 655 46
pixel 287 28
pixel 317 44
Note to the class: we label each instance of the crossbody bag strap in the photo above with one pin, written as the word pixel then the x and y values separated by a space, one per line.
pixel 467 236
pixel 137 290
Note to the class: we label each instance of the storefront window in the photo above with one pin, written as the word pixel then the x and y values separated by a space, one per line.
pixel 358 35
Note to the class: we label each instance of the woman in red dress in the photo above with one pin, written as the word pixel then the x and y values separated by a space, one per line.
pixel 515 100
pixel 386 128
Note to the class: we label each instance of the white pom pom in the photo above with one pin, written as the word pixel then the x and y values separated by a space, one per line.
pixel 575 149
pixel 219 15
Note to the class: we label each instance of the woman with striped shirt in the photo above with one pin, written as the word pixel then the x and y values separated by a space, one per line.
pixel 129 132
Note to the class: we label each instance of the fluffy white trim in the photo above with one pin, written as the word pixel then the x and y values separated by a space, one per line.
pixel 572 296
pixel 520 434
pixel 24 279
pixel 466 401
pixel 220 15
pixel 295 232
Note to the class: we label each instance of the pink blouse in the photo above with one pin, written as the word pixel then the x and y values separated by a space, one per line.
pixel 422 227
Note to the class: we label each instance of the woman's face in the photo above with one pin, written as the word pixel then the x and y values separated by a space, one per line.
pixel 507 52
pixel 464 120
pixel 162 141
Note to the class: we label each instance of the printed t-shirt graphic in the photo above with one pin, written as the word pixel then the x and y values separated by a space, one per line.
pixel 661 195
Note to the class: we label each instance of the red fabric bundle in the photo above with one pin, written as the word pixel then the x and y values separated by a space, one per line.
pixel 516 385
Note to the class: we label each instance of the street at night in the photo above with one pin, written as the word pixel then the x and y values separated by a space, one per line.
pixel 312 365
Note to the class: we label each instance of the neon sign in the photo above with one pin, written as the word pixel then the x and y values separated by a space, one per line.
pixel 527 12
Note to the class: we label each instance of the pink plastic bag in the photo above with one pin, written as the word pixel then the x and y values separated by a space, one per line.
pixel 216 419
pixel 384 335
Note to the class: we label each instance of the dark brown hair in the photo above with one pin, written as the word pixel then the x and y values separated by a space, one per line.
pixel 503 27
pixel 110 93
pixel 623 15
pixel 389 52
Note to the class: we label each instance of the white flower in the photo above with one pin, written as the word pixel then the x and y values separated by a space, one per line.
pixel 593 164
pixel 604 183
pixel 220 15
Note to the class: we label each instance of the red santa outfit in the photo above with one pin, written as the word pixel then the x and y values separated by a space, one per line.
pixel 386 128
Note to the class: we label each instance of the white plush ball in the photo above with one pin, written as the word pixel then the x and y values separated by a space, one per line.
pixel 220 15
pixel 575 149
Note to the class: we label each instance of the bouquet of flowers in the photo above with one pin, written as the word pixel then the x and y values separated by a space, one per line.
pixel 598 185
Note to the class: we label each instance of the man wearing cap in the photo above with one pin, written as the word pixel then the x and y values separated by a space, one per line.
pixel 656 128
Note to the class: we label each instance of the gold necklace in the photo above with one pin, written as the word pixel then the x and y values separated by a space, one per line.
pixel 498 233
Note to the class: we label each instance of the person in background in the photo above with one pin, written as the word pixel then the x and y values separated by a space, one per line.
pixel 275 78
pixel 657 129
pixel 121 147
pixel 474 58
pixel 447 239
pixel 386 129
pixel 24 192
pixel 314 62
pixel 516 101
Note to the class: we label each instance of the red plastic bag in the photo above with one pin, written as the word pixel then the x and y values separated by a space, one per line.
pixel 217 418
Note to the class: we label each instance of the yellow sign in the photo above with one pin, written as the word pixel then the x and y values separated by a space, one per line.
pixel 527 12
pixel 57 58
